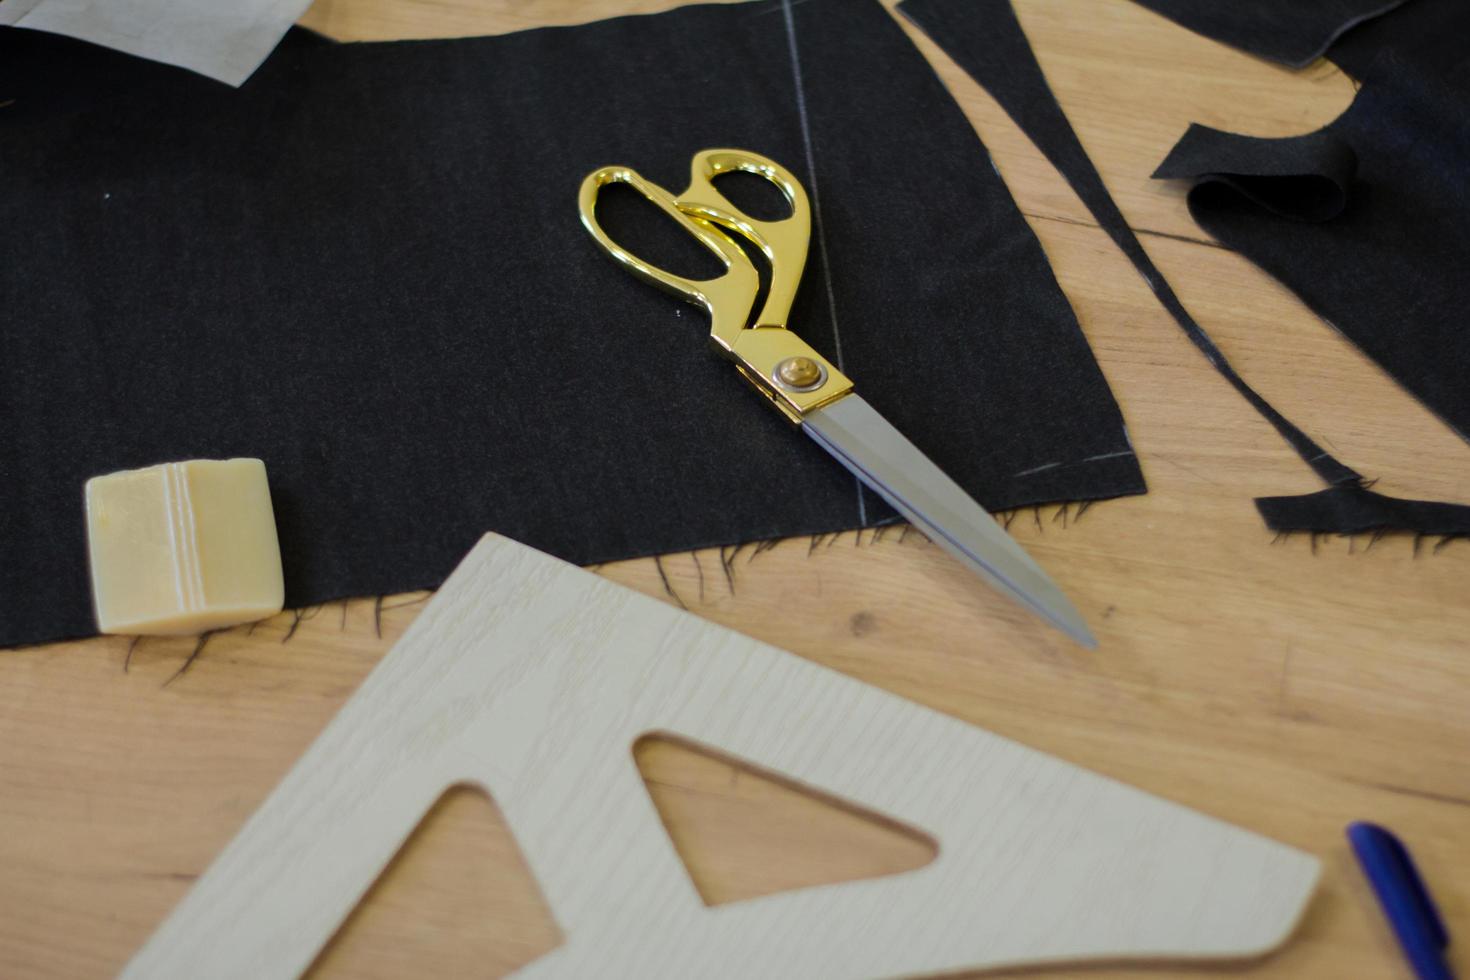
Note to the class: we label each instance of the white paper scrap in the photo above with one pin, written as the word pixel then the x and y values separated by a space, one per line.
pixel 224 39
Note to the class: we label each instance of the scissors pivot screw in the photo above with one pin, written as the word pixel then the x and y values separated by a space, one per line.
pixel 800 374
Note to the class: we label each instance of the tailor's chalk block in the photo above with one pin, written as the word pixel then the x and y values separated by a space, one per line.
pixel 183 547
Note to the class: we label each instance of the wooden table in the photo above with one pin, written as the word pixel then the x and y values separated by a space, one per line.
pixel 1284 687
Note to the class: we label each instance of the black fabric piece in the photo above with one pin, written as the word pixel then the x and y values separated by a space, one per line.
pixel 1412 34
pixel 1306 178
pixel 365 266
pixel 1389 271
pixel 1355 509
pixel 985 38
pixel 42 80
pixel 1295 32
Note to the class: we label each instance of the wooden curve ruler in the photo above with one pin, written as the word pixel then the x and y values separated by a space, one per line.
pixel 533 679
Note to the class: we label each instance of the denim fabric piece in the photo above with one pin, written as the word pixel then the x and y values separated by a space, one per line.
pixel 1295 32
pixel 365 267
pixel 1388 269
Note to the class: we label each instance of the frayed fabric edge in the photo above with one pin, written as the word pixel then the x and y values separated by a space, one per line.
pixel 1352 508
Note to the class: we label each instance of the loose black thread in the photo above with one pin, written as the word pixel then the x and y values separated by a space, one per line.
pixel 880 531
pixel 700 570
pixel 295 622
pixel 1375 535
pixel 299 616
pixel 664 578
pixel 727 562
pixel 761 547
pixel 728 555
pixel 189 662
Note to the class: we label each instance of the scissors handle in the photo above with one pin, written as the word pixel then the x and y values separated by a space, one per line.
pixel 759 343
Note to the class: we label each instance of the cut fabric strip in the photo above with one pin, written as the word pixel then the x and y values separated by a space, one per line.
pixel 985 39
pixel 1355 509
pixel 1306 178
pixel 365 267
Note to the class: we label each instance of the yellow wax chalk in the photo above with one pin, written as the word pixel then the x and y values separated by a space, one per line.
pixel 183 547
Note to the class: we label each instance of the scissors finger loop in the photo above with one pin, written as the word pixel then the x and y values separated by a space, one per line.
pixel 728 298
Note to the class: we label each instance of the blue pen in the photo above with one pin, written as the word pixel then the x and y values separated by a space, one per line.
pixel 1405 899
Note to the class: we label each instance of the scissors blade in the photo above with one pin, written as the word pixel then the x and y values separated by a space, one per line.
pixel 878 454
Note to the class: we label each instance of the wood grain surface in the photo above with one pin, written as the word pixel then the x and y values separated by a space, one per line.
pixel 1288 688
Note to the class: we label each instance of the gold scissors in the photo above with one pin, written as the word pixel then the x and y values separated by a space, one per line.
pixel 807 388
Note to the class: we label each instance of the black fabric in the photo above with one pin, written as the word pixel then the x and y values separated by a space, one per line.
pixel 1306 178
pixel 1355 509
pixel 43 79
pixel 1389 269
pixel 1295 32
pixel 984 38
pixel 365 266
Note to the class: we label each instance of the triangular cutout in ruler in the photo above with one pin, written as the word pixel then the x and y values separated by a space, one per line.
pixel 763 834
pixel 463 847
pixel 532 678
